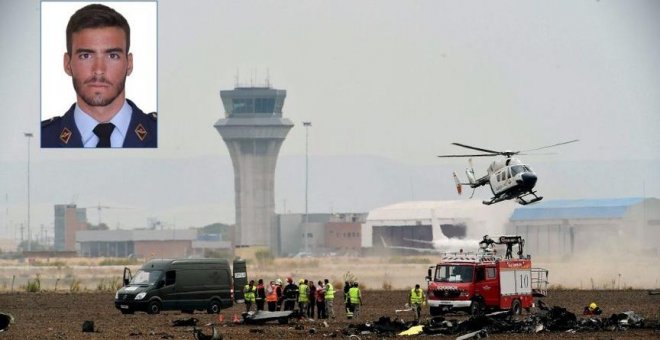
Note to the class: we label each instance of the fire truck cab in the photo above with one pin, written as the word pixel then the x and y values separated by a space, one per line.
pixel 485 281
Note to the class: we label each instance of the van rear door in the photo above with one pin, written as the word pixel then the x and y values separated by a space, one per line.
pixel 240 279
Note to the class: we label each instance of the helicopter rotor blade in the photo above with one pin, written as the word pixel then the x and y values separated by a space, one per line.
pixel 550 146
pixel 476 148
pixel 479 155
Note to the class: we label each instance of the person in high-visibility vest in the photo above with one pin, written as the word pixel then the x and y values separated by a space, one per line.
pixel 416 298
pixel 249 292
pixel 303 296
pixel 329 299
pixel 271 296
pixel 355 296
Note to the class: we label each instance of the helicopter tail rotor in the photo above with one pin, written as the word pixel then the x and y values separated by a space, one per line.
pixel 459 186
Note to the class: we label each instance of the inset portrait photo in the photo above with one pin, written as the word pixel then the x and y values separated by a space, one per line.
pixel 99 83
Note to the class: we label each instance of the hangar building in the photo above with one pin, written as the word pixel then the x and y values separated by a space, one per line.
pixel 403 225
pixel 562 228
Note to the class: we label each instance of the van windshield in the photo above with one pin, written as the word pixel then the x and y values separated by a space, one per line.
pixel 146 278
pixel 449 273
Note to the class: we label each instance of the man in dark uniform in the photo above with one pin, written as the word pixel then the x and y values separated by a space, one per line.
pixel 290 293
pixel 98 61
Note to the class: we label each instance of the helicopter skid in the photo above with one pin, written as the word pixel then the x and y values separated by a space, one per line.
pixel 522 201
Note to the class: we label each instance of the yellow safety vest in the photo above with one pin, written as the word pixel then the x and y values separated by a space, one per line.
pixel 416 296
pixel 303 293
pixel 354 294
pixel 329 292
pixel 250 293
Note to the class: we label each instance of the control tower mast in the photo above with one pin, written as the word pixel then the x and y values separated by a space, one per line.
pixel 254 129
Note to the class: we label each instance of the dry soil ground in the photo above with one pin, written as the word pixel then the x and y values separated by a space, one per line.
pixel 54 315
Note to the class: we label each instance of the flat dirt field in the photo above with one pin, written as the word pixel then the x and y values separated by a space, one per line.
pixel 59 315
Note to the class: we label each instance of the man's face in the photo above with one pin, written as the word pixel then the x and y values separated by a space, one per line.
pixel 98 65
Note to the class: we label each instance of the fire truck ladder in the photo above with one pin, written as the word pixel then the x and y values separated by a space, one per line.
pixel 539 282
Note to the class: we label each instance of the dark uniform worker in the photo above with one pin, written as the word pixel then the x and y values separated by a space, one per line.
pixel 290 294
pixel 98 61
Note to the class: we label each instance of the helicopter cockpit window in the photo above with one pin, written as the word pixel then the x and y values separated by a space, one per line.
pixel 517 169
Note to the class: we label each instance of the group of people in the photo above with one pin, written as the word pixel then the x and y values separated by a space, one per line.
pixel 305 297
pixel 308 297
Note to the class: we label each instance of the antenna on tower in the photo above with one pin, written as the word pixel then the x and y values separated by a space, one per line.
pixel 267 77
pixel 237 77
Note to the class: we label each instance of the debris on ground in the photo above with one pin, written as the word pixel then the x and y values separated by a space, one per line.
pixel 88 326
pixel 199 335
pixel 185 322
pixel 5 320
pixel 261 316
pixel 545 319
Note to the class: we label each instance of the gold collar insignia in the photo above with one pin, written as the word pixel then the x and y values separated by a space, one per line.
pixel 141 132
pixel 65 135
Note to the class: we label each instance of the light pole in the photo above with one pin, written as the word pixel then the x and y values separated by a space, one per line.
pixel 306 125
pixel 28 135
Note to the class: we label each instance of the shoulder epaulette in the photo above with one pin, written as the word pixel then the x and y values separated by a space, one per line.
pixel 49 121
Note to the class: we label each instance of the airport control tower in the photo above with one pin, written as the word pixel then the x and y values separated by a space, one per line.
pixel 254 131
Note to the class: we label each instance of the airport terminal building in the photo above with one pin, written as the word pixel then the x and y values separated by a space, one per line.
pixel 145 243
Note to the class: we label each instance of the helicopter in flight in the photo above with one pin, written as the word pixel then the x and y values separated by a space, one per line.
pixel 509 178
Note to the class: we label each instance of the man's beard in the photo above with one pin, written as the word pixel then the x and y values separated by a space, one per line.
pixel 98 99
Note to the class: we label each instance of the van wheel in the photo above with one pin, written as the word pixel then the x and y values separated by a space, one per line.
pixel 214 307
pixel 516 308
pixel 476 308
pixel 153 307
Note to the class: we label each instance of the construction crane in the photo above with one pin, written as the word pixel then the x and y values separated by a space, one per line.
pixel 99 208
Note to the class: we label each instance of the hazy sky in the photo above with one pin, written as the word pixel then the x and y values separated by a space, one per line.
pixel 396 79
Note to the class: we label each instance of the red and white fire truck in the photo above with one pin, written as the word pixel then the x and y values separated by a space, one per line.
pixel 485 280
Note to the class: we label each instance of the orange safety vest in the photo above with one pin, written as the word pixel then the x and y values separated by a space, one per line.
pixel 272 296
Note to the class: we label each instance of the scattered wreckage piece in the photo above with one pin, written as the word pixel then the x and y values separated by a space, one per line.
pixel 88 326
pixel 474 335
pixel 199 335
pixel 385 326
pixel 185 322
pixel 260 317
pixel 5 320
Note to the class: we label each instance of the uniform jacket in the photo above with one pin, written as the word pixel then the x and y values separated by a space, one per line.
pixel 61 132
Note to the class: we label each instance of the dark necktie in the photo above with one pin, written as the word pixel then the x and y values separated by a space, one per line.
pixel 103 131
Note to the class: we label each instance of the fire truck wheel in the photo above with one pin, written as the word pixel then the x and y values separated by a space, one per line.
pixel 516 308
pixel 476 308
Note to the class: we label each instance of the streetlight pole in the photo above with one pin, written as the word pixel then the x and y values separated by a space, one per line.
pixel 306 125
pixel 28 135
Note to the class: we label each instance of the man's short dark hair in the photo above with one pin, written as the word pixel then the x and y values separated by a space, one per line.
pixel 96 16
